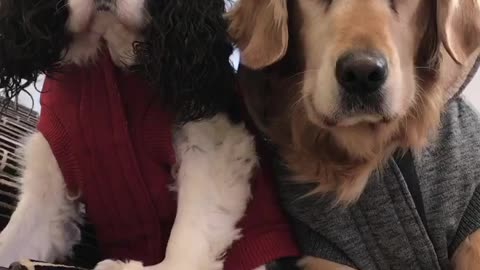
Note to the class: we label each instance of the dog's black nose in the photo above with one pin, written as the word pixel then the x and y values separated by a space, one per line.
pixel 362 72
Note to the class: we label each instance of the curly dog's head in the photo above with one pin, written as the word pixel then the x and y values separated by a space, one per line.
pixel 186 53
pixel 180 47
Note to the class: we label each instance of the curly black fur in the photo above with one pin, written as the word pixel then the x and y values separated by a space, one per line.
pixel 186 56
pixel 32 40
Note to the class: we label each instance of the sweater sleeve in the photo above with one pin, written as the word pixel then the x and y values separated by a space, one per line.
pixel 464 126
pixel 469 223
pixel 58 105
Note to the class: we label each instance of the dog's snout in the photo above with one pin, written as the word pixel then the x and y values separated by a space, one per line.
pixel 362 72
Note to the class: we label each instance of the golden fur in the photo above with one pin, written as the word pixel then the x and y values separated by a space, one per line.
pixel 430 46
pixel 342 158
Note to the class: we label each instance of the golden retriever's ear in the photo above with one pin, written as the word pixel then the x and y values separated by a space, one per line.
pixel 260 30
pixel 459 27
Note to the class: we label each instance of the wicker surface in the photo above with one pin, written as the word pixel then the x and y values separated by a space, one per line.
pixel 16 123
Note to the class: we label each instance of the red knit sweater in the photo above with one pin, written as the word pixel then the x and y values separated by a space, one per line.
pixel 113 144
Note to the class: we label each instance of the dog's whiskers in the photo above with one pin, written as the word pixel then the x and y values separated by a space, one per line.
pixel 301 73
pixel 427 68
pixel 299 101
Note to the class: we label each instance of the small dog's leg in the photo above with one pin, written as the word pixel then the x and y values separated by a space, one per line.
pixel 467 256
pixel 119 265
pixel 216 161
pixel 44 224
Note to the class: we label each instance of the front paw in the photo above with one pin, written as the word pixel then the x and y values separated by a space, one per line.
pixel 119 265
pixel 178 265
pixel 219 145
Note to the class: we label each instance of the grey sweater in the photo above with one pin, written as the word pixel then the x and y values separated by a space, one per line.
pixel 384 230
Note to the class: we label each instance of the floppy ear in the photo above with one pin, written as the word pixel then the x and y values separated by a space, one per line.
pixel 459 27
pixel 185 57
pixel 32 41
pixel 260 30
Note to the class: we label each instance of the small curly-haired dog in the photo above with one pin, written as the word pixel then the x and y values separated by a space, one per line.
pixel 172 44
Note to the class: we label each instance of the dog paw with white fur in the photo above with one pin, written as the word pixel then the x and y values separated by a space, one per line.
pixel 218 158
pixel 119 265
pixel 216 161
pixel 220 139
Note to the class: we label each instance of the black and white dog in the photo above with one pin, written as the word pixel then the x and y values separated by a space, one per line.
pixel 40 36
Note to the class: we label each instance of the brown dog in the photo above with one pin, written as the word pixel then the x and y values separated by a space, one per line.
pixel 350 82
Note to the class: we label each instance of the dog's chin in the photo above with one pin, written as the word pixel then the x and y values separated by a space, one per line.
pixel 362 120
pixel 356 120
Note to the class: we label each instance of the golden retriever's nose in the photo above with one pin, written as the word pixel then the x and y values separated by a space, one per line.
pixel 362 72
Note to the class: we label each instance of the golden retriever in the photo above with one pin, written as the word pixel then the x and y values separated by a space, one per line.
pixel 362 78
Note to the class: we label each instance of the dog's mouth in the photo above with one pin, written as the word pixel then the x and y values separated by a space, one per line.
pixel 103 14
pixel 363 119
pixel 104 8
pixel 356 120
pixel 101 20
pixel 105 5
pixel 352 116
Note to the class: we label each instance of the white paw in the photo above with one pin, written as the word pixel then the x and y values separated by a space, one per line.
pixel 217 141
pixel 216 161
pixel 170 266
pixel 184 264
pixel 119 265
